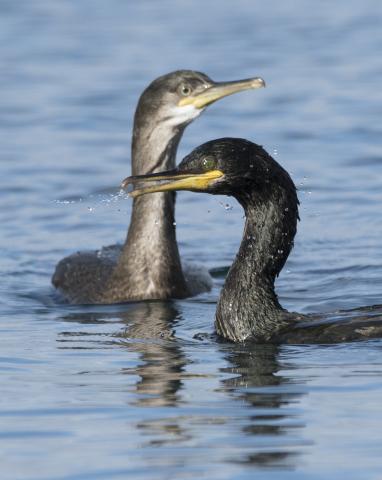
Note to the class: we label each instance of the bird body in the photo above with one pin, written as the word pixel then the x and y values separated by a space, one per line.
pixel 248 308
pixel 148 265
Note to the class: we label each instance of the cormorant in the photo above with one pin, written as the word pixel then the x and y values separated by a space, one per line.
pixel 248 307
pixel 148 265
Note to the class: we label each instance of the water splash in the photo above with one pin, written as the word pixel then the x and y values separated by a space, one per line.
pixel 94 201
pixel 227 207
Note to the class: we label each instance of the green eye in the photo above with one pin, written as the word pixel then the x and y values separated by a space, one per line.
pixel 208 163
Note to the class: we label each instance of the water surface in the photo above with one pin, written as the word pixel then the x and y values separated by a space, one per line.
pixel 143 390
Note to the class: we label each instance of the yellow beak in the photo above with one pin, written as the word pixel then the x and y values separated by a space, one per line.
pixel 220 90
pixel 172 180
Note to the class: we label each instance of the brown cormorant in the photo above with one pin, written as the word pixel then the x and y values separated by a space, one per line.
pixel 148 265
pixel 248 307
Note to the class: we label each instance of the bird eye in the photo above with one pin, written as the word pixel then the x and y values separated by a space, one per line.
pixel 185 90
pixel 208 163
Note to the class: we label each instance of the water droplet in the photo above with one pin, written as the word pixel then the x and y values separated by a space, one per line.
pixel 280 251
pixel 286 209
pixel 226 206
pixel 174 223
pixel 90 209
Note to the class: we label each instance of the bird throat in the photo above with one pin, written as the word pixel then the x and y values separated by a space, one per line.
pixel 248 305
pixel 150 254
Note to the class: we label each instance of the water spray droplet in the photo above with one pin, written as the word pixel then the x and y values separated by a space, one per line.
pixel 227 207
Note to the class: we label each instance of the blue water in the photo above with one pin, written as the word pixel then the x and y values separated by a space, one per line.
pixel 128 391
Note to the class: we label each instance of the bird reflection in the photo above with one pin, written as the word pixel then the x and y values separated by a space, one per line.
pixel 269 396
pixel 151 334
pixel 265 421
pixel 149 331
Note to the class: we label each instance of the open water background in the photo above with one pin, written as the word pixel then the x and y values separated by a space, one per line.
pixel 127 391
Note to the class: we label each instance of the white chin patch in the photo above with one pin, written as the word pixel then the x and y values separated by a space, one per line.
pixel 179 115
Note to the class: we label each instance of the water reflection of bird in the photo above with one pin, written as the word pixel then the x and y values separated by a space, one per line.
pixel 149 332
pixel 265 394
pixel 248 307
pixel 148 265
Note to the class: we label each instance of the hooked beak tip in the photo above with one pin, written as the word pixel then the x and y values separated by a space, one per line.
pixel 125 183
pixel 260 82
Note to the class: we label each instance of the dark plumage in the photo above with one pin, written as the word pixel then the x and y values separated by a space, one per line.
pixel 148 265
pixel 248 308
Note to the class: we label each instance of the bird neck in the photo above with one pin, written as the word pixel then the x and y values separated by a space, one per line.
pixel 150 254
pixel 154 145
pixel 248 305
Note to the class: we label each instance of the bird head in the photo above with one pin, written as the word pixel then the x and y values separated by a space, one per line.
pixel 178 97
pixel 227 166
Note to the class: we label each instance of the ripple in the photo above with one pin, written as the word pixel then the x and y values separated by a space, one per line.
pixel 147 390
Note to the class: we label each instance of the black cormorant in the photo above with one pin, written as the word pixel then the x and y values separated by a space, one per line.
pixel 248 307
pixel 148 265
